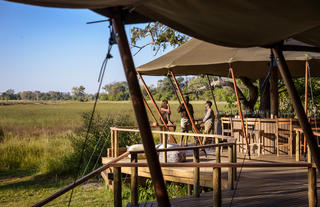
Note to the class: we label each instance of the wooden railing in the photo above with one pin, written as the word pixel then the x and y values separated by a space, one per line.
pixel 216 181
pixel 164 137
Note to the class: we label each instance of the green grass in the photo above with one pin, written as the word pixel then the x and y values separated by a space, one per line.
pixel 35 145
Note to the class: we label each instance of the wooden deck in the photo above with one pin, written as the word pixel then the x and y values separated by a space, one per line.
pixel 257 186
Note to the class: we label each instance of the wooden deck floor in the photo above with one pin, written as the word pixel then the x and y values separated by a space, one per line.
pixel 257 186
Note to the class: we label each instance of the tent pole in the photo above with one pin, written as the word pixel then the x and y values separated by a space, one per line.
pixel 240 110
pixel 149 109
pixel 212 94
pixel 297 105
pixel 305 102
pixel 156 106
pixel 140 110
pixel 185 105
pixel 174 89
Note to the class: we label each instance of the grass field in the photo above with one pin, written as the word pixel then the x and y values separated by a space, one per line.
pixel 35 142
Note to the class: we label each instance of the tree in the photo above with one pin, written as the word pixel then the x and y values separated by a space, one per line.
pixel 160 36
pixel 79 92
pixel 117 91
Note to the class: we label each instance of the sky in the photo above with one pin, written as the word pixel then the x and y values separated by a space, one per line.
pixel 54 49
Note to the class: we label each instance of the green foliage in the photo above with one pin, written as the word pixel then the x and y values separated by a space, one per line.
pixel 159 35
pixel 98 138
pixel 117 91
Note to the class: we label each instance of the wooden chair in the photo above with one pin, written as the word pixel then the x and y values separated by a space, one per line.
pixel 254 134
pixel 229 130
pixel 284 134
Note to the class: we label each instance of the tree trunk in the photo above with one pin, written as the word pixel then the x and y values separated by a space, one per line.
pixel 264 97
pixel 274 95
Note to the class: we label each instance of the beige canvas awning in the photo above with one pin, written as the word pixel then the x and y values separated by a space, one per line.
pixel 244 23
pixel 197 57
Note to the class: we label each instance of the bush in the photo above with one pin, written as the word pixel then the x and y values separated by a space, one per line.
pixel 98 139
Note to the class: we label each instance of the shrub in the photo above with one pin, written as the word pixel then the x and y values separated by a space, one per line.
pixel 98 139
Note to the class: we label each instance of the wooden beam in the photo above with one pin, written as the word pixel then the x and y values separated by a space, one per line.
pixel 150 111
pixel 305 101
pixel 79 181
pixel 117 191
pixel 274 95
pixel 156 106
pixel 297 105
pixel 240 110
pixel 134 181
pixel 196 174
pixel 217 200
pixel 185 105
pixel 174 88
pixel 140 110
pixel 212 95
pixel 312 187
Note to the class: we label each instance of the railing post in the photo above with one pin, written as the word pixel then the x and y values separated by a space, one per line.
pixel 134 181
pixel 230 169
pixel 189 189
pixel 312 187
pixel 117 200
pixel 309 154
pixel 116 143
pixel 297 146
pixel 196 174
pixel 234 148
pixel 218 154
pixel 216 187
pixel 164 143
pixel 112 142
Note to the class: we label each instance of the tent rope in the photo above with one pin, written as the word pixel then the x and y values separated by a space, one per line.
pixel 100 79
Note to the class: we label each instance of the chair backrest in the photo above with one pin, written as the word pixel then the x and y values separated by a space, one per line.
pixel 227 126
pixel 284 127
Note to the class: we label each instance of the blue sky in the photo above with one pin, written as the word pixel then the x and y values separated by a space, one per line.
pixel 54 49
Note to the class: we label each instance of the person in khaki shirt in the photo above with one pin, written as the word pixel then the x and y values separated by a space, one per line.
pixel 208 119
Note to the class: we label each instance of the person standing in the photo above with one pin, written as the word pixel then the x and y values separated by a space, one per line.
pixel 166 112
pixel 208 119
pixel 185 120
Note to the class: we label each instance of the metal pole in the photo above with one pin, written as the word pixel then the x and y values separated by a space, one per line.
pixel 140 110
pixel 305 102
pixel 174 88
pixel 156 106
pixel 212 94
pixel 240 110
pixel 149 109
pixel 297 105
pixel 185 105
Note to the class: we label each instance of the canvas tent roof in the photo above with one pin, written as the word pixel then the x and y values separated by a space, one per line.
pixel 243 23
pixel 198 57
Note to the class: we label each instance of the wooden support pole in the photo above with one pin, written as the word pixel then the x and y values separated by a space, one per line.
pixel 189 189
pixel 305 101
pixel 150 111
pixel 218 151
pixel 116 143
pixel 234 149
pixel 117 198
pixel 240 110
pixel 174 88
pixel 297 146
pixel 112 143
pixel 212 95
pixel 196 174
pixel 79 181
pixel 296 102
pixel 134 181
pixel 185 105
pixel 230 169
pixel 312 187
pixel 216 187
pixel 140 110
pixel 156 106
pixel 164 143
